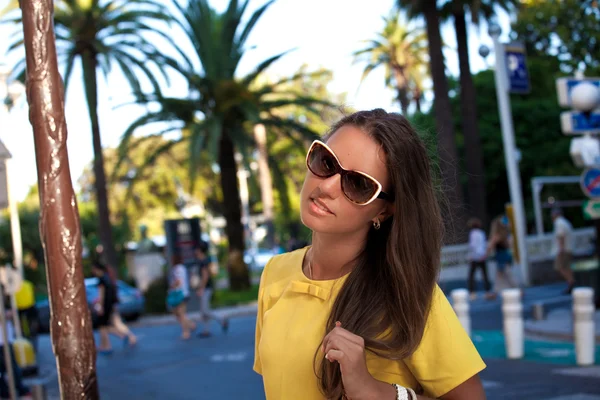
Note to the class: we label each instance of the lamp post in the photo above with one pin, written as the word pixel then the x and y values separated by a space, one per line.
pixel 9 94
pixel 508 140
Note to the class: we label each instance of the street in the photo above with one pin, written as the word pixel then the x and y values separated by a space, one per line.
pixel 164 367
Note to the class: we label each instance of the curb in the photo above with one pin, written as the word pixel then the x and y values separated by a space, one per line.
pixel 245 310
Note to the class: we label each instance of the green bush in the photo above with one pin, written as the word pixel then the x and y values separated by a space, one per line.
pixel 156 296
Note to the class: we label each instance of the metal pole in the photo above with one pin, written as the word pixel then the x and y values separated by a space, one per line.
pixel 6 348
pixel 514 180
pixel 15 225
pixel 536 189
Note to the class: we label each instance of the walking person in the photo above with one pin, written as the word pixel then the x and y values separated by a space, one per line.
pixel 358 314
pixel 178 296
pixel 477 257
pixel 118 327
pixel 563 247
pixel 205 291
pixel 499 245
pixel 104 306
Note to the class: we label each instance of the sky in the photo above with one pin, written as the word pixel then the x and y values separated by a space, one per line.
pixel 324 33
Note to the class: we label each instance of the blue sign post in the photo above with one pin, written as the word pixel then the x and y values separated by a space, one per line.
pixel 590 182
pixel 516 68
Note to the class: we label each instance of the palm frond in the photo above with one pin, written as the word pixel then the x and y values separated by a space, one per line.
pixel 262 67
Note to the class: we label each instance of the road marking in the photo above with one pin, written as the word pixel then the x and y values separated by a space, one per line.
pixel 589 372
pixel 491 384
pixel 231 357
pixel 577 396
pixel 551 353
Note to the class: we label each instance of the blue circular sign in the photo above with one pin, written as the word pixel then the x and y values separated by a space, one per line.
pixel 590 182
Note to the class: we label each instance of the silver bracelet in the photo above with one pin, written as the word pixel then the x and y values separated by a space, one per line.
pixel 403 393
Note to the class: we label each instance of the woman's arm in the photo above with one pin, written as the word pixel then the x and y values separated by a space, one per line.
pixel 176 282
pixel 100 302
pixel 471 389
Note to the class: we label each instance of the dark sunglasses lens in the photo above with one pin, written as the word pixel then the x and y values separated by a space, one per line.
pixel 321 162
pixel 358 188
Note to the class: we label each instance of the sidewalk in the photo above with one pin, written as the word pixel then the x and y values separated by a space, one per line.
pixel 558 325
pixel 227 312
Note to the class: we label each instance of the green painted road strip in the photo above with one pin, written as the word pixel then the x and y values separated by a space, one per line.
pixel 490 344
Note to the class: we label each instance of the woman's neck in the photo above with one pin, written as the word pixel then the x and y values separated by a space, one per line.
pixel 332 256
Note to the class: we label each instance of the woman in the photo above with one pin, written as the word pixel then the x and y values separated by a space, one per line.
pixel 179 293
pixel 499 245
pixel 118 327
pixel 104 306
pixel 358 314
pixel 205 291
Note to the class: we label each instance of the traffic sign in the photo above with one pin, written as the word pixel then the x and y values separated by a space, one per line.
pixel 516 67
pixel 576 123
pixel 590 182
pixel 565 85
pixel 591 209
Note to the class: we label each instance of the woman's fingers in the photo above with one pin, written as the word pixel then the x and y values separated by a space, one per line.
pixel 339 331
pixel 335 355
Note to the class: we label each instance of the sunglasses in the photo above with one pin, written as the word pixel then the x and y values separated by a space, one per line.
pixel 358 187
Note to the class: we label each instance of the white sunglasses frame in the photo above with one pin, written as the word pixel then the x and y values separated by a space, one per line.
pixel 379 193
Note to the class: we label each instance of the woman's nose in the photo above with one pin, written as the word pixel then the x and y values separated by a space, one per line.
pixel 331 186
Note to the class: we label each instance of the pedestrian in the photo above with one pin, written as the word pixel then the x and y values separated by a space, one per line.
pixel 178 296
pixel 118 327
pixel 205 290
pixel 358 314
pixel 499 245
pixel 22 391
pixel 563 248
pixel 104 306
pixel 477 257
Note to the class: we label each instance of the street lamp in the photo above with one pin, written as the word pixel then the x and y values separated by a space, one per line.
pixel 510 152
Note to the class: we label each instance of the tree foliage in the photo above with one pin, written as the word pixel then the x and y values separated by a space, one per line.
pixel 568 30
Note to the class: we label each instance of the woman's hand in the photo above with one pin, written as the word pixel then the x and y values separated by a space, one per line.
pixel 348 350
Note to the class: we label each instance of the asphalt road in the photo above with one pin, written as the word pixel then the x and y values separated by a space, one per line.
pixel 162 366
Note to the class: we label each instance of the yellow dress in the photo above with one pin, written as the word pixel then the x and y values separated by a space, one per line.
pixel 292 312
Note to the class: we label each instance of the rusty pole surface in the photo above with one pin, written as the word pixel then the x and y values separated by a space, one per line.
pixel 71 329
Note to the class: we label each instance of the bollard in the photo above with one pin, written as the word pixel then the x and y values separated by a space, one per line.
pixel 460 303
pixel 583 327
pixel 514 336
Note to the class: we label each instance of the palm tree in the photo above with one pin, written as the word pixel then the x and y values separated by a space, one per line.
pixel 102 34
pixel 457 10
pixel 448 156
pixel 402 50
pixel 220 110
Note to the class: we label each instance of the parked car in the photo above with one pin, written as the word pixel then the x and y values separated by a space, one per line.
pixel 131 303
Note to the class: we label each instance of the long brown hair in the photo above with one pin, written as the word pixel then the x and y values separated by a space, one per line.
pixel 499 231
pixel 387 296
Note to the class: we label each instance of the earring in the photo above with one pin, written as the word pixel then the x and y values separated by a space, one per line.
pixel 376 224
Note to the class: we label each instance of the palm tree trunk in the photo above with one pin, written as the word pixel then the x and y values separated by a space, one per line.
pixel 71 328
pixel 266 182
pixel 447 153
pixel 417 98
pixel 239 278
pixel 90 81
pixel 401 87
pixel 473 153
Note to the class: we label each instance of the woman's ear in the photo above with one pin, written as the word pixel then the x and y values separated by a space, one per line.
pixel 385 213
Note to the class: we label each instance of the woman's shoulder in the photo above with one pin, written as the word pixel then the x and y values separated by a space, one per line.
pixel 282 266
